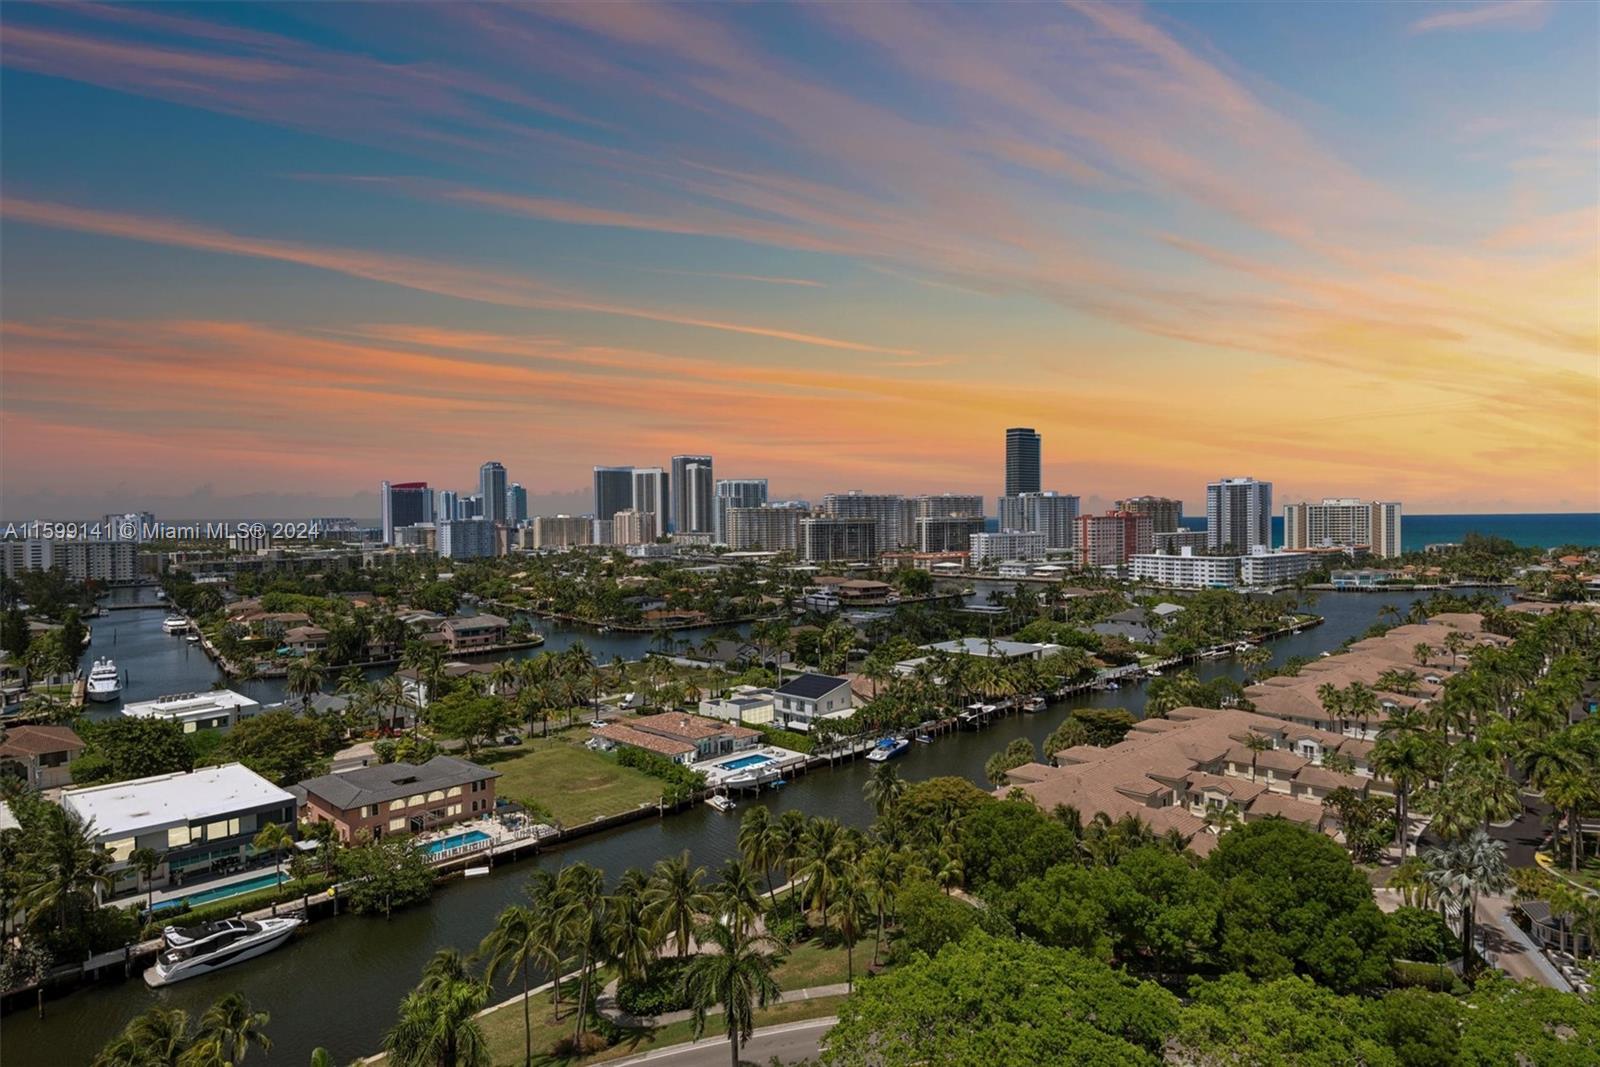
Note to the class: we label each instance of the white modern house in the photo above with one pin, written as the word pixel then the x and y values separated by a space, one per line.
pixel 217 709
pixel 744 703
pixel 806 699
pixel 201 821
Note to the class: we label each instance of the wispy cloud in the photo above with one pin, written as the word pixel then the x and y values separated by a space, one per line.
pixel 1510 14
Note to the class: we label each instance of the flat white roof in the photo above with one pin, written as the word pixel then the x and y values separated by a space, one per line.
pixel 178 705
pixel 144 805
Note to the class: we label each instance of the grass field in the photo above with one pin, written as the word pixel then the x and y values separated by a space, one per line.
pixel 574 783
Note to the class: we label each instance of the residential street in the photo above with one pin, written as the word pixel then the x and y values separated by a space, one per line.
pixel 789 1043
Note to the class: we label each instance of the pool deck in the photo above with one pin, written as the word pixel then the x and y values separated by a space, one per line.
pixel 190 889
pixel 779 761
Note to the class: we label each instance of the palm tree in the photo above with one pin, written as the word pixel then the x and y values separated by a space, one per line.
pixel 737 896
pixel 789 833
pixel 825 862
pixel 580 894
pixel 758 843
pixel 65 871
pixel 391 694
pixel 147 861
pixel 737 975
pixel 304 679
pixel 884 787
pixel 676 899
pixel 1257 745
pixel 437 1025
pixel 158 1038
pixel 1402 756
pixel 1570 791
pixel 549 932
pixel 276 839
pixel 630 942
pixel 1332 700
pixel 879 870
pixel 516 941
pixel 1454 643
pixel 846 914
pixel 228 1029
pixel 1464 870
pixel 1420 652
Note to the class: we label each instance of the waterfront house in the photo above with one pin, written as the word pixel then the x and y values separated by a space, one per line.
pixel 200 822
pixel 474 632
pixel 743 703
pixel 40 755
pixel 806 699
pixel 398 798
pixel 416 687
pixel 304 640
pixel 216 709
pixel 681 738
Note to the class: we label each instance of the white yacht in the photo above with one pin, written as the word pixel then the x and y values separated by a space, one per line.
pixel 195 950
pixel 105 684
pixel 175 624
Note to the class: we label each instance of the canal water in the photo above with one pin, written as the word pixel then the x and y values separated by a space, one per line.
pixel 338 984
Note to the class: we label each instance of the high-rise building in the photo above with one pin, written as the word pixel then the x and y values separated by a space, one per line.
pixel 469 507
pixel 834 538
pixel 492 490
pixel 946 533
pixel 613 491
pixel 938 505
pixel 1165 513
pixel 629 527
pixel 1051 513
pixel 1004 545
pixel 129 526
pixel 1344 522
pixel 894 514
pixel 516 503
pixel 403 504
pixel 99 560
pixel 465 538
pixel 602 532
pixel 769 529
pixel 735 493
pixel 692 492
pixel 651 489
pixel 1109 540
pixel 1238 514
pixel 449 505
pixel 1022 460
pixel 562 531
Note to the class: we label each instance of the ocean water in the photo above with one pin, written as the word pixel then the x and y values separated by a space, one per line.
pixel 1529 531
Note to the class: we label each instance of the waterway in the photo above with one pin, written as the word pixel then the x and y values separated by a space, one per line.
pixel 337 985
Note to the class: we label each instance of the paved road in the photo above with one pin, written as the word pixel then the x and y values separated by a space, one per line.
pixel 789 1043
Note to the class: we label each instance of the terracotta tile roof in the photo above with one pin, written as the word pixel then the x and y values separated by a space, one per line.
pixel 1323 778
pixel 38 740
pixel 627 735
pixel 690 727
pixel 1299 811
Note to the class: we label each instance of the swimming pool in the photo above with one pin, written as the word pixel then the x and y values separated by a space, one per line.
pixel 223 892
pixel 744 762
pixel 444 844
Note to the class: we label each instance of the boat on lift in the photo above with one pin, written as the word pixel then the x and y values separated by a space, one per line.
pixel 888 749
pixel 720 802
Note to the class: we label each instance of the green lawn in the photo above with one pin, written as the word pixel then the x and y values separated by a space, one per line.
pixel 809 964
pixel 573 782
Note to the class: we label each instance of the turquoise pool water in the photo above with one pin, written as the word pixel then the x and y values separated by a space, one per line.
pixel 223 892
pixel 456 841
pixel 744 761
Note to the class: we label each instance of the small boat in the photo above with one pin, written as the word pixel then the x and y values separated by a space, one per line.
pixel 1113 685
pixel 195 950
pixel 105 684
pixel 1154 673
pixel 193 639
pixel 924 739
pixel 1242 646
pixel 888 749
pixel 175 624
pixel 475 872
pixel 1033 704
pixel 720 802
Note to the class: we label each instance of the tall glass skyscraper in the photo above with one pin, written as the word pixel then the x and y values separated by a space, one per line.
pixel 691 494
pixel 404 504
pixel 492 490
pixel 1022 461
pixel 735 493
pixel 613 491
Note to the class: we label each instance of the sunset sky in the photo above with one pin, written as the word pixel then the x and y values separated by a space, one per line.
pixel 261 256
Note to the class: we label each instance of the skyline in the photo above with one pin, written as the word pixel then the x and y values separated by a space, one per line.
pixel 285 253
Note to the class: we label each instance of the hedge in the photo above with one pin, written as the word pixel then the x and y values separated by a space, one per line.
pixel 231 906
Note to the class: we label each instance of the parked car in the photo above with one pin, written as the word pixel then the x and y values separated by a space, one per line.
pixel 511 739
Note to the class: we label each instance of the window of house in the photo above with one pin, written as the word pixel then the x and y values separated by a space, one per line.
pixel 437 794
pixel 397 824
pixel 414 800
pixel 178 836
pixel 120 850
pixel 453 791
pixel 397 805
